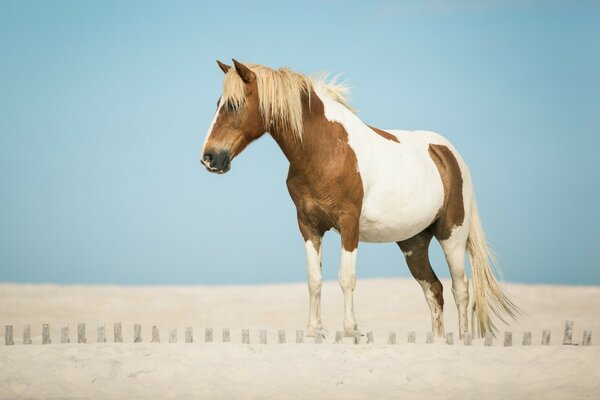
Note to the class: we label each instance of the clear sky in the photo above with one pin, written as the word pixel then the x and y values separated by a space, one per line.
pixel 104 107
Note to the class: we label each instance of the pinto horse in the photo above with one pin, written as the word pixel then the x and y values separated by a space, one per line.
pixel 368 184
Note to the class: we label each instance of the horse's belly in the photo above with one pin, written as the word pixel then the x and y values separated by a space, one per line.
pixel 393 218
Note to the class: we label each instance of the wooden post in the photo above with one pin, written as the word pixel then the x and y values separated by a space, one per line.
pixel 64 333
pixel 526 338
pixel 356 337
pixel 81 333
pixel 392 338
pixel 173 335
pixel 489 339
pixel 507 339
pixel 101 334
pixel 281 336
pixel 46 334
pixel 137 333
pixel 318 337
pixel 568 338
pixel 411 338
pixel 299 336
pixel 545 337
pixel 26 334
pixel 587 338
pixel 370 337
pixel 245 336
pixel 449 338
pixel 339 337
pixel 208 335
pixel 155 334
pixel 262 336
pixel 189 334
pixel 117 334
pixel 468 340
pixel 8 335
pixel 226 335
pixel 429 338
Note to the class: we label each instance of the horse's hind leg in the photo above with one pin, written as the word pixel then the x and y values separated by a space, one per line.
pixel 455 248
pixel 416 253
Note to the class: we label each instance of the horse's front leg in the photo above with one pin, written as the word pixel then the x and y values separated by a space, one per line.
pixel 312 244
pixel 347 274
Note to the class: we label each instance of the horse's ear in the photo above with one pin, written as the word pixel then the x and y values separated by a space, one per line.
pixel 244 72
pixel 224 67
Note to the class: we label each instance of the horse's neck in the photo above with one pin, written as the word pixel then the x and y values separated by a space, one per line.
pixel 319 137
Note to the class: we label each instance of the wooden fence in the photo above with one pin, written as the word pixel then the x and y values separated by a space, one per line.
pixel 319 338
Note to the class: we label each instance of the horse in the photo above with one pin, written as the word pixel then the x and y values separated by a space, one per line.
pixel 367 184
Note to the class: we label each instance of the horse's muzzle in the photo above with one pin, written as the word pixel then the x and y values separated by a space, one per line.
pixel 218 162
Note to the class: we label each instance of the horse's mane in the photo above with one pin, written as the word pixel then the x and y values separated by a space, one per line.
pixel 280 94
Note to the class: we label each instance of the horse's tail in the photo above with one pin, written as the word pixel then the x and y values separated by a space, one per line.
pixel 489 296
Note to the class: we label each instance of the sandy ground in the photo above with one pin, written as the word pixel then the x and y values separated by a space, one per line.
pixel 328 371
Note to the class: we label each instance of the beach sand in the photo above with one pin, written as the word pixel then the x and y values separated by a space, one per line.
pixel 280 371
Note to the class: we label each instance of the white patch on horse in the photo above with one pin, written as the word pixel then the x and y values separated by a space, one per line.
pixel 212 124
pixel 403 191
pixel 407 253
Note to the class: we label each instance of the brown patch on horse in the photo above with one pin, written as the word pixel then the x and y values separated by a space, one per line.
pixel 452 213
pixel 384 134
pixel 323 178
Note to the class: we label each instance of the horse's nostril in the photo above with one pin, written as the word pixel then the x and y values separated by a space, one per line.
pixel 208 158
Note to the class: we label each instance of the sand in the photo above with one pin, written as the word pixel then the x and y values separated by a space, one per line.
pixel 280 371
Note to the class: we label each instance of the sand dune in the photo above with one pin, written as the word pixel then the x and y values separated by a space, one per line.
pixel 234 370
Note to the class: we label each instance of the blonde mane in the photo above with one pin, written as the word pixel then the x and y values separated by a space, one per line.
pixel 280 94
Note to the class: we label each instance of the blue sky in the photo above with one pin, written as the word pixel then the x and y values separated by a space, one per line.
pixel 104 107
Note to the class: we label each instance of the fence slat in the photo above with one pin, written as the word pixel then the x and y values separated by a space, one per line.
pixel 155 334
pixel 449 338
pixel 356 337
pixel 81 333
pixel 46 334
pixel 468 340
pixel 189 334
pixel 392 338
pixel 568 337
pixel 299 336
pixel 281 336
pixel 546 337
pixel 318 337
pixel 64 333
pixel 587 338
pixel 117 333
pixel 8 335
pixel 489 339
pixel 208 335
pixel 26 334
pixel 370 339
pixel 245 336
pixel 429 338
pixel 339 337
pixel 411 337
pixel 173 335
pixel 226 335
pixel 526 338
pixel 507 339
pixel 100 334
pixel 137 333
pixel 262 336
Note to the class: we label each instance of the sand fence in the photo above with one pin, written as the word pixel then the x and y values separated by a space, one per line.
pixel 319 337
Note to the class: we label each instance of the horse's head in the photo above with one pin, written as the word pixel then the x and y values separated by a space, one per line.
pixel 237 121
